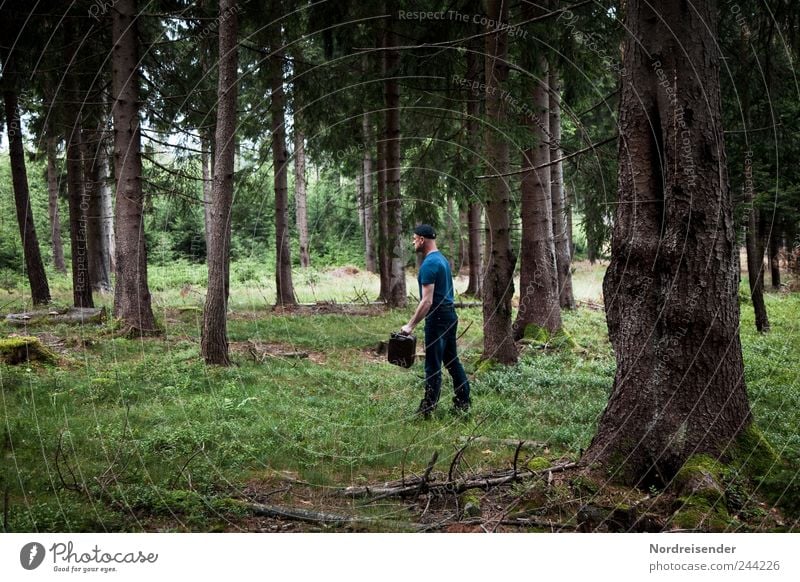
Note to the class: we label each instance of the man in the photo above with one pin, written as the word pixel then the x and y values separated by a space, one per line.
pixel 437 307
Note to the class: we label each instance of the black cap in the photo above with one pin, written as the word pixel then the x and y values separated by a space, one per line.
pixel 425 230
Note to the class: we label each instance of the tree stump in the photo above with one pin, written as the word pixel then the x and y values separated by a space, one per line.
pixel 18 349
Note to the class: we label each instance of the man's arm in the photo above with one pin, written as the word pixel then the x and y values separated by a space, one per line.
pixel 422 309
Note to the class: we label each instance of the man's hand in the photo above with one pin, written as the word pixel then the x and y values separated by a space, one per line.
pixel 406 329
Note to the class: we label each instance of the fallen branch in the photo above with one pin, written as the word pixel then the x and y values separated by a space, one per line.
pixel 507 442
pixel 72 315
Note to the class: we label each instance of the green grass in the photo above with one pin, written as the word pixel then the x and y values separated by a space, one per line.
pixel 160 440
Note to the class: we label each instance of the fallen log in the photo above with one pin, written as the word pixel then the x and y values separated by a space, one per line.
pixel 69 315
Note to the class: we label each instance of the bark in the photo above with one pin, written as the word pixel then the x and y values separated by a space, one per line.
pixel 77 198
pixel 283 257
pixel 132 302
pixel 300 195
pixel 671 288
pixel 369 217
pixel 72 316
pixel 34 268
pixel 474 226
pixel 396 291
pixel 52 206
pixel 538 304
pixel 498 287
pixel 214 342
pixel 561 234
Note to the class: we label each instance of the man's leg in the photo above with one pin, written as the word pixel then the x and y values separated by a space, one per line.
pixel 461 400
pixel 434 350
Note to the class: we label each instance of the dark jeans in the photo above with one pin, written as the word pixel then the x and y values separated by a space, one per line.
pixel 440 347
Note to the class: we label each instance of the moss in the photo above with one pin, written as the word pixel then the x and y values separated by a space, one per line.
pixel 585 485
pixel 538 464
pixel 696 513
pixel 754 453
pixel 563 339
pixel 18 349
pixel 535 334
pixel 470 504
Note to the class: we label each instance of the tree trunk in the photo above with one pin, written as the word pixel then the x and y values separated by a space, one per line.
pixel 755 255
pixel 561 236
pixel 383 217
pixel 774 257
pixel 538 304
pixel 40 291
pixel 97 253
pixel 52 206
pixel 132 303
pixel 283 256
pixel 369 220
pixel 77 198
pixel 107 209
pixel 671 288
pixel 207 163
pixel 498 286
pixel 475 209
pixel 214 341
pixel 396 292
pixel 300 194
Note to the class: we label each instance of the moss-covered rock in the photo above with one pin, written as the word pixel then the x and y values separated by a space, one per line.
pixel 703 477
pixel 18 349
pixel 694 512
pixel 470 504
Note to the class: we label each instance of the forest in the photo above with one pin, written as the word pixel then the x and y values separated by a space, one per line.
pixel 208 217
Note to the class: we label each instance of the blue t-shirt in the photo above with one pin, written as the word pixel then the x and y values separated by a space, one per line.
pixel 435 269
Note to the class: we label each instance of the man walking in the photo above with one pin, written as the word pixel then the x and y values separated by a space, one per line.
pixel 436 306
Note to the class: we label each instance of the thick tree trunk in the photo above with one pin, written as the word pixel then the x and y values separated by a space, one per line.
pixel 498 286
pixel 396 292
pixel 132 303
pixel 538 303
pixel 475 210
pixel 214 343
pixel 34 268
pixel 77 199
pixel 52 206
pixel 561 235
pixel 671 289
pixel 300 195
pixel 369 215
pixel 283 256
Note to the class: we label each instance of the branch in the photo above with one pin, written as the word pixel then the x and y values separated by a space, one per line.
pixel 540 166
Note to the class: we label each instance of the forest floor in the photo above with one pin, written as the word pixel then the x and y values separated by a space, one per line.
pixel 310 424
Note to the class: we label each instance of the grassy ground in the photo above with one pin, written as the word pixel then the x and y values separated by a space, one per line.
pixel 131 435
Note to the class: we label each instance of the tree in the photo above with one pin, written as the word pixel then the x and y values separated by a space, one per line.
pixel 131 293
pixel 562 235
pixel 40 290
pixel 395 294
pixel 215 328
pixel 77 199
pixel 538 305
pixel 283 256
pixel 368 202
pixel 498 288
pixel 671 289
pixel 300 192
pixel 474 211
